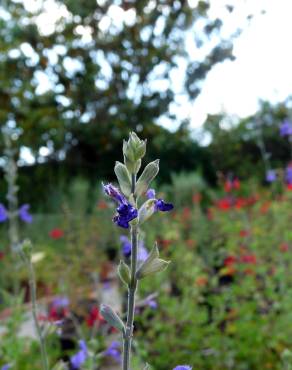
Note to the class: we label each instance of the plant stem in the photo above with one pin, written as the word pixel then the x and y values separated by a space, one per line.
pixel 127 339
pixel 32 285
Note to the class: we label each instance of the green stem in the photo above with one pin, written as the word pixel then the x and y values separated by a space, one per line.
pixel 127 339
pixel 32 285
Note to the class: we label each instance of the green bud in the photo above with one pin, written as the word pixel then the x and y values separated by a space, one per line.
pixel 123 177
pixel 112 317
pixel 146 211
pixel 124 273
pixel 149 173
pixel 152 264
pixel 134 149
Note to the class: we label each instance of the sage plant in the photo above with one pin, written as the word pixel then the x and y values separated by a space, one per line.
pixel 131 213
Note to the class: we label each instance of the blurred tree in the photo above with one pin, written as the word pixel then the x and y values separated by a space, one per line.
pixel 76 76
pixel 239 147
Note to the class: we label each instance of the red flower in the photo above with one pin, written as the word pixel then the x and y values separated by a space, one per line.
pixel 228 186
pixel 201 281
pixel 244 233
pixel 56 233
pixel 230 260
pixel 249 258
pixel 197 198
pixel 1 255
pixel 236 184
pixel 240 203
pixel 93 317
pixel 289 187
pixel 224 204
pixel 284 247
pixel 102 204
pixel 265 207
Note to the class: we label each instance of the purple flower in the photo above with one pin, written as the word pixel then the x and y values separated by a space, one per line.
pixel 151 302
pixel 125 211
pixel 127 248
pixel 286 128
pixel 3 213
pixel 114 193
pixel 126 245
pixel 150 194
pixel 80 357
pixel 160 205
pixel 288 174
pixel 183 367
pixel 6 367
pixel 271 176
pixel 60 302
pixel 24 214
pixel 114 351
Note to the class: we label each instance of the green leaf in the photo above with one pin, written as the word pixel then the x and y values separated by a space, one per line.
pixel 149 173
pixel 123 177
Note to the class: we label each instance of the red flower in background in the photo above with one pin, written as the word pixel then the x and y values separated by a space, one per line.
pixel 94 317
pixel 230 185
pixel 2 255
pixel 284 247
pixel 249 258
pixel 224 204
pixel 102 204
pixel 230 260
pixel 56 233
pixel 244 233
pixel 197 198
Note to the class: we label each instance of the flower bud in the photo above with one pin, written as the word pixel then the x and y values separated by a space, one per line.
pixel 112 317
pixel 149 173
pixel 124 273
pixel 146 211
pixel 123 177
pixel 134 149
pixel 152 264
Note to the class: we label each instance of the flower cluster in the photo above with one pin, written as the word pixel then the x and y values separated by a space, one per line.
pixel 80 357
pixel 286 128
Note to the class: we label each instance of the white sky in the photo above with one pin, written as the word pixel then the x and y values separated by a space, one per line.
pixel 261 71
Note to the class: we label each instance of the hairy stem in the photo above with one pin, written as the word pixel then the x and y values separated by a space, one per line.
pixel 32 285
pixel 127 342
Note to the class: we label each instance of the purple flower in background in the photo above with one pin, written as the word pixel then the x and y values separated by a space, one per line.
pixel 80 357
pixel 114 351
pixel 126 245
pixel 126 248
pixel 160 205
pixel 288 174
pixel 286 128
pixel 3 213
pixel 151 302
pixel 24 214
pixel 60 302
pixel 150 194
pixel 6 367
pixel 271 176
pixel 183 367
pixel 125 211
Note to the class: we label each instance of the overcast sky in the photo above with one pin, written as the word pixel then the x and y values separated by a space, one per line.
pixel 262 69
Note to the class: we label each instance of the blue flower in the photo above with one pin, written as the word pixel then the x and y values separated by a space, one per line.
pixel 160 205
pixel 150 194
pixel 114 193
pixel 3 213
pixel 24 213
pixel 271 176
pixel 6 367
pixel 114 351
pixel 151 302
pixel 288 174
pixel 183 367
pixel 286 128
pixel 80 357
pixel 127 248
pixel 125 211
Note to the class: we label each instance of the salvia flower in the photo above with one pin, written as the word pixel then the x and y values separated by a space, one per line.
pixel 24 214
pixel 286 128
pixel 150 194
pixel 125 211
pixel 3 213
pixel 271 176
pixel 183 367
pixel 288 174
pixel 160 205
pixel 80 357
pixel 6 367
pixel 114 351
pixel 126 248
